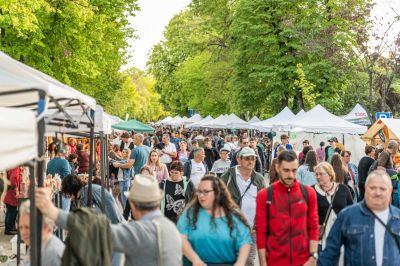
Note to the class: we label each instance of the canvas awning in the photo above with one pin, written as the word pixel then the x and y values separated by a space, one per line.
pixel 385 129
pixel 358 115
pixel 133 125
pixel 281 119
pixel 319 120
pixel 18 137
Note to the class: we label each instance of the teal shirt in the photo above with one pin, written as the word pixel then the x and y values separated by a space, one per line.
pixel 209 241
pixel 58 166
pixel 140 155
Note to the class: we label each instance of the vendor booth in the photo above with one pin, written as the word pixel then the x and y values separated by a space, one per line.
pixel 383 130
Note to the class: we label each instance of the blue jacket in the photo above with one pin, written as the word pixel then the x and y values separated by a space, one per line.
pixel 354 228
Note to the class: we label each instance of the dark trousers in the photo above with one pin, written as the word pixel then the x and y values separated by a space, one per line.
pixel 11 216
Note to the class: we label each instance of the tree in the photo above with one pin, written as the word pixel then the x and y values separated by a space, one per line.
pixel 82 43
pixel 136 97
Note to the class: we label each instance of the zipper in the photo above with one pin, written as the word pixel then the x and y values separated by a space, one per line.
pixel 290 227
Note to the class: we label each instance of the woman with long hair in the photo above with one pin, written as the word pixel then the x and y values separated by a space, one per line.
pixel 332 197
pixel 183 153
pixel 159 169
pixel 341 173
pixel 212 223
pixel 305 173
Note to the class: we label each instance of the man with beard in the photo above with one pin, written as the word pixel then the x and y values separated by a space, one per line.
pixel 287 218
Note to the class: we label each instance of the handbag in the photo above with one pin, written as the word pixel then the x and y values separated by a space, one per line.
pixel 322 228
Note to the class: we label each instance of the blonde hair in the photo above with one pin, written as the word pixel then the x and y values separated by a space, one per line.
pixel 158 163
pixel 327 167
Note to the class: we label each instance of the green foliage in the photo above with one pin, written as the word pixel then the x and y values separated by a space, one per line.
pixel 82 42
pixel 257 56
pixel 136 97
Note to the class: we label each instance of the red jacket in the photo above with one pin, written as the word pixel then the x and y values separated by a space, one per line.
pixel 291 226
pixel 14 176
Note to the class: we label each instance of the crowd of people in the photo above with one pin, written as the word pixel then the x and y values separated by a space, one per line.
pixel 209 198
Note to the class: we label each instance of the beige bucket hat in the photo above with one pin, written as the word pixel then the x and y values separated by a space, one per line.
pixel 144 189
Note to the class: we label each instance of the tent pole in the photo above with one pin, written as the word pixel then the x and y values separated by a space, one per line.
pixel 33 217
pixel 108 180
pixel 37 223
pixel 102 172
pixel 91 163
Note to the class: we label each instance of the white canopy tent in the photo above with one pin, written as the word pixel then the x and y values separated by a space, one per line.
pixel 24 80
pixel 358 115
pixel 215 123
pixel 287 127
pixel 19 79
pixel 254 119
pixel 177 121
pixel 233 121
pixel 18 137
pixel 173 120
pixel 199 123
pixel 319 120
pixel 195 118
pixel 165 120
pixel 280 120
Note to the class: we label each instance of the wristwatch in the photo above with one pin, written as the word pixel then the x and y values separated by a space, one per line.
pixel 314 255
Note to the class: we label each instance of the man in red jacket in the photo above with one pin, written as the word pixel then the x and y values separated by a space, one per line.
pixel 287 219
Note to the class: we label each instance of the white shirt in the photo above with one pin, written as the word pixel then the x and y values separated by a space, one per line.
pixel 220 166
pixel 165 158
pixel 379 231
pixel 198 171
pixel 229 146
pixel 248 205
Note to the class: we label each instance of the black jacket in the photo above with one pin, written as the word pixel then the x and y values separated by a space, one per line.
pixel 211 156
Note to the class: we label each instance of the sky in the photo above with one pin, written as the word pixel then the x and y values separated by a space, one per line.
pixel 151 20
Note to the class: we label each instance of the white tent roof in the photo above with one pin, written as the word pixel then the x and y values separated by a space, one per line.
pixel 193 119
pixel 216 123
pixel 233 121
pixel 199 123
pixel 18 137
pixel 254 119
pixel 165 120
pixel 319 120
pixel 280 119
pixel 177 121
pixel 358 116
pixel 17 77
pixel 294 119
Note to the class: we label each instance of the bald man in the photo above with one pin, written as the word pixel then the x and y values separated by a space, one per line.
pixel 369 230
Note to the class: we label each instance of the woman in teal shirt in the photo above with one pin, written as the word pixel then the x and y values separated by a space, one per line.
pixel 213 229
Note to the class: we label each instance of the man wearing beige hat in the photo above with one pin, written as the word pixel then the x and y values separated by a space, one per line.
pixel 149 240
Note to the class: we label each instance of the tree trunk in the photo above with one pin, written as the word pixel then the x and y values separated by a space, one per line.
pixel 299 99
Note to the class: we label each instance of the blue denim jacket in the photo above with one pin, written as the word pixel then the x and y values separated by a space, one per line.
pixel 111 208
pixel 354 228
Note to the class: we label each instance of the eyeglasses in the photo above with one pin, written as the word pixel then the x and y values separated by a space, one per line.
pixel 320 174
pixel 250 158
pixel 203 192
pixel 174 172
